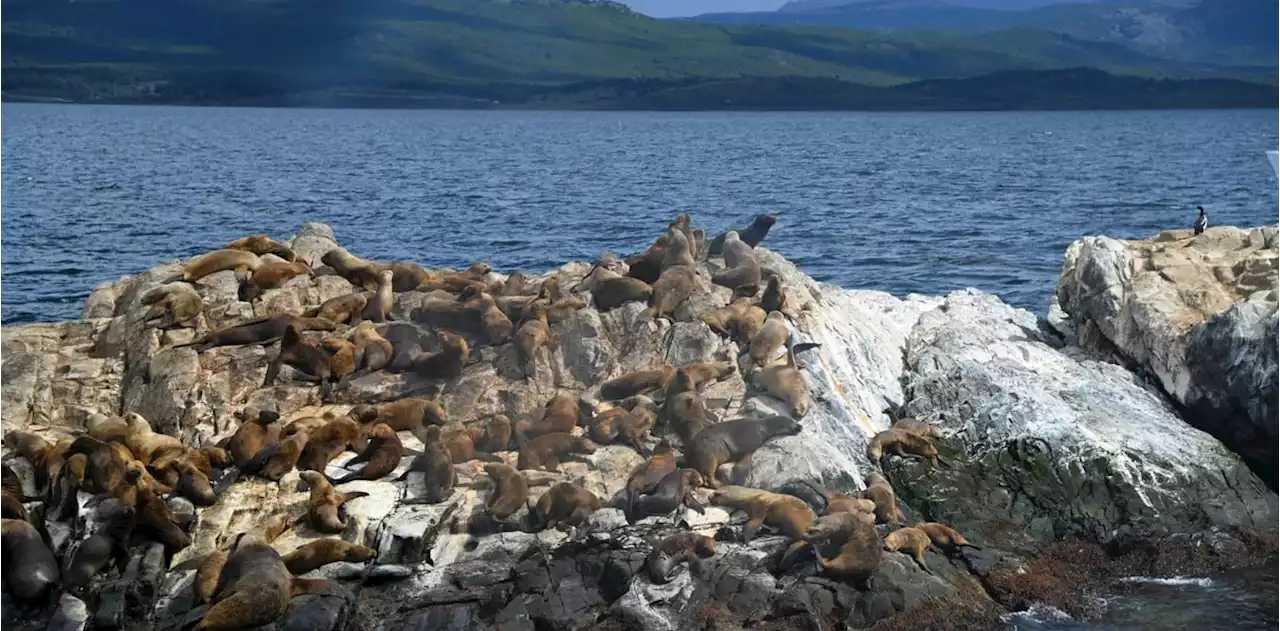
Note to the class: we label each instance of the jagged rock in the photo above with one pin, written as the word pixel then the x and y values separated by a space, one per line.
pixel 1198 314
pixel 1032 435
pixel 312 242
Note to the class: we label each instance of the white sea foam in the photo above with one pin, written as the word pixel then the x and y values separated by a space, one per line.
pixel 1177 580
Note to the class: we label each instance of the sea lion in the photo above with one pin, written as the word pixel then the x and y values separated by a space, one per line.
pixel 770 338
pixel 752 235
pixel 460 443
pixel 623 426
pixel 638 382
pixel 739 319
pixel 564 505
pixel 533 334
pixel 919 428
pixel 194 484
pixel 678 251
pixel 12 496
pixel 146 444
pixel 675 489
pixel 681 547
pixel 322 552
pixel 252 435
pixel 340 309
pixel 259 331
pixel 785 382
pixel 172 304
pixel 903 443
pixel 448 362
pixel 881 492
pixel 452 281
pixel 303 355
pixel 94 553
pixel 406 276
pixel 307 424
pixel 271 276
pixel 356 270
pixel 609 289
pixel 436 464
pixel 105 464
pixel 731 441
pixel 216 261
pixel 253 588
pixel 35 450
pixel 841 503
pixel 787 514
pixel 645 478
pixel 741 268
pixel 560 415
pixel 382 301
pixel 510 490
pixel 859 556
pixel 838 526
pixel 497 327
pixel 373 352
pixel 517 284
pixel 328 441
pixel 497 434
pixel 30 569
pixel 647 266
pixel 278 458
pixel 909 540
pixel 546 451
pixel 261 244
pixel 774 298
pixel 342 357
pixel 411 414
pixel 155 517
pixel 105 428
pixel 698 375
pixel 684 223
pixel 687 414
pixel 672 288
pixel 324 505
pixel 944 537
pixel 382 454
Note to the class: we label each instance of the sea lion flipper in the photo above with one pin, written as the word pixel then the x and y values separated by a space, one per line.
pixel 692 502
pixel 804 346
pixel 352 495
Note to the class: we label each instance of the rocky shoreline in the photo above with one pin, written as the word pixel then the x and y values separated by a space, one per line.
pixel 1069 448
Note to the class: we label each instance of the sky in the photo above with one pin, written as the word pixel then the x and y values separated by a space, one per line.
pixel 685 8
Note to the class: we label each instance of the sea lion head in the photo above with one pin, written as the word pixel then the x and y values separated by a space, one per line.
pixel 765 220
pixel 783 426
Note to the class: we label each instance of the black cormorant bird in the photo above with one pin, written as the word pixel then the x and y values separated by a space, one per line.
pixel 1202 221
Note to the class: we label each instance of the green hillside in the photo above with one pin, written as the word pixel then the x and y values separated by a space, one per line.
pixel 218 51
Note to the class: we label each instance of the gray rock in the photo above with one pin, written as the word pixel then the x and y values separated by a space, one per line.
pixel 72 615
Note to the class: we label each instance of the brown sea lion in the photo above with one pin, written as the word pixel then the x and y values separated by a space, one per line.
pixel 647 266
pixel 564 505
pixel 30 569
pixel 271 276
pixel 675 489
pixel 881 492
pixel 324 505
pixel 533 334
pixel 357 271
pixel 110 541
pixel 451 281
pixel 841 503
pixel 34 449
pixel 909 540
pixel 255 431
pixel 785 381
pixel 448 362
pixel 687 414
pixel 731 441
pixel 104 427
pixel 741 268
pixel 903 443
pixel 307 424
pixel 561 415
pixel 944 537
pixel 859 556
pixel 328 441
pixel 373 351
pixel 623 426
pixel 770 338
pixel 698 375
pixel 671 290
pixel 259 331
pixel 340 309
pixel 645 478
pixel 497 327
pixel 411 414
pixel 304 356
pixel 679 250
pixel 253 588
pixel 278 458
pixel 681 547
pixel 155 518
pixel 919 428
pixel 510 490
pixel 774 298
pixel 546 451
pixel 146 444
pixel 382 454
pixel 638 382
pixel 739 319
pixel 194 484
pixel 216 261
pixel 436 465
pixel 12 496
pixel 610 290
pixel 261 244
pixel 406 276
pixel 517 284
pixel 497 434
pixel 322 552
pixel 382 301
pixel 172 304
pixel 105 464
pixel 787 514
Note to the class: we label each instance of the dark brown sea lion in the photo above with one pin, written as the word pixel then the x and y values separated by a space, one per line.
pixel 436 465
pixel 564 505
pixel 448 362
pixel 271 276
pixel 497 434
pixel 687 414
pixel 322 552
pixel 752 235
pixel 647 266
pixel 382 454
pixel 30 569
pixel 561 415
pixel 533 334
pixel 12 496
pixel 278 458
pixel 731 441
pixel 510 490
pixel 545 452
pixel 253 588
pixel 859 556
pixel 254 433
pixel 406 276
pixel 774 298
pixel 172 304
pixel 411 414
pixel 259 331
pixel 328 441
pixel 324 505
pixel 623 425
pixel 111 541
pixel 675 489
pixel 646 477
pixel 682 547
pixel 303 355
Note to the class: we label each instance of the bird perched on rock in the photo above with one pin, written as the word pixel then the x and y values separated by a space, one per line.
pixel 1202 221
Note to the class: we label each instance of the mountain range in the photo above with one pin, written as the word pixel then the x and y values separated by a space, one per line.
pixel 525 53
pixel 1226 32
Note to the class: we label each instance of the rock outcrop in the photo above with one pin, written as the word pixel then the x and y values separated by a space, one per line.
pixel 1195 313
pixel 1040 443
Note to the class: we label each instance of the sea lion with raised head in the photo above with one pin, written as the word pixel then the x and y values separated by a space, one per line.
pixel 304 356
pixel 732 441
pixel 172 305
pixel 769 339
pixel 357 271
pixel 741 268
pixel 261 245
pixel 255 431
pixel 672 288
pixel 679 250
pixel 534 333
pixel 881 492
pixel 382 301
pixel 858 558
pixel 774 298
pixel 647 266
pixel 322 552
pixel 497 434
pixel 448 362
pixel 687 414
pixel 785 382
pixel 217 261
pixel 436 465
pixel 342 357
pixel 911 541
pixel 148 445
pixel 752 235
pixel 510 490
pixel 324 504
pixel 564 505
pixel 681 547
pixel 498 328
pixel 253 587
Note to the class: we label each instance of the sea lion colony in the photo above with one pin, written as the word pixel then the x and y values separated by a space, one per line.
pixel 130 470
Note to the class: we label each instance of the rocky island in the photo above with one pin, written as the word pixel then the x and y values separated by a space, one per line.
pixel 1131 432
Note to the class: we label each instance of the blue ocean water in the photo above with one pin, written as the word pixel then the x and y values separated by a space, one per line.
pixel 926 203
